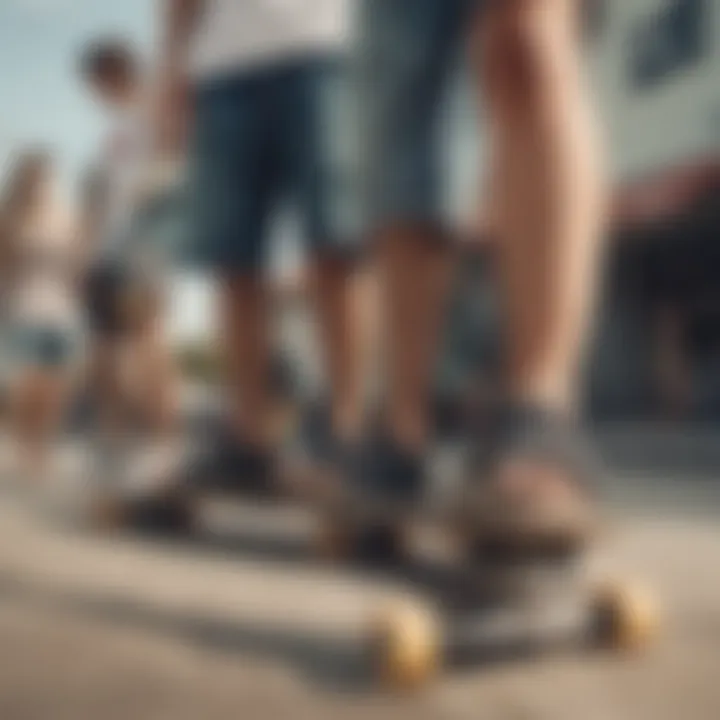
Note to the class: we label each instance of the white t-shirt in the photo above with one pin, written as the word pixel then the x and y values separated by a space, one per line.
pixel 123 160
pixel 43 286
pixel 239 33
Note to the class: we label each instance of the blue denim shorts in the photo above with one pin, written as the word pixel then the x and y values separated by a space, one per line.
pixel 45 346
pixel 408 51
pixel 265 139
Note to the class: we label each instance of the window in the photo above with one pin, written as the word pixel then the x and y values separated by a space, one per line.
pixel 668 41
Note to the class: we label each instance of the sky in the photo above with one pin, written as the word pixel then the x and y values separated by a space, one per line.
pixel 41 99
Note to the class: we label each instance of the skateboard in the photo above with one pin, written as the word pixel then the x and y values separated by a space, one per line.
pixel 487 602
pixel 538 610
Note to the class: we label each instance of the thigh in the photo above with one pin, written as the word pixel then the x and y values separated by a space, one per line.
pixel 407 48
pixel 231 174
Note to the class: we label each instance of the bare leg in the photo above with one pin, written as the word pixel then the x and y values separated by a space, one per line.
pixel 338 294
pixel 548 196
pixel 38 402
pixel 548 204
pixel 107 385
pixel 155 379
pixel 244 328
pixel 414 270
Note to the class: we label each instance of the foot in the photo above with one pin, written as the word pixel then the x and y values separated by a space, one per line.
pixel 229 465
pixel 366 492
pixel 376 472
pixel 154 464
pixel 111 452
pixel 392 474
pixel 318 465
pixel 529 485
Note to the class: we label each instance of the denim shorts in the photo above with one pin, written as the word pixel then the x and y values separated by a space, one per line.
pixel 408 51
pixel 46 346
pixel 265 139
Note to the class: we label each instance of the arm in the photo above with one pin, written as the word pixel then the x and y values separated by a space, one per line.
pixel 178 23
pixel 180 18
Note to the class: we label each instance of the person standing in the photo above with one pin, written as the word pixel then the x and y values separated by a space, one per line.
pixel 39 265
pixel 548 207
pixel 254 86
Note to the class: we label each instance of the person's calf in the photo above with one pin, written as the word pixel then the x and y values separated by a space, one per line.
pixel 415 264
pixel 244 329
pixel 549 191
pixel 340 292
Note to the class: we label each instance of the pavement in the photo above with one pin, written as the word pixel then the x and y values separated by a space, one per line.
pixel 242 622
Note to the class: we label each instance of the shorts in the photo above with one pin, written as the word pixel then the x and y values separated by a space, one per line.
pixel 262 138
pixel 44 345
pixel 116 296
pixel 408 51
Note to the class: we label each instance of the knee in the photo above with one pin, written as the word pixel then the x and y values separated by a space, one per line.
pixel 526 50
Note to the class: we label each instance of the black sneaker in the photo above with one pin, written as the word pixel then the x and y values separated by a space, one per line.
pixel 229 465
pixel 318 465
pixel 391 474
pixel 384 489
pixel 375 470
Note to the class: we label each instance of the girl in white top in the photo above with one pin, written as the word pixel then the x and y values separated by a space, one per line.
pixel 39 268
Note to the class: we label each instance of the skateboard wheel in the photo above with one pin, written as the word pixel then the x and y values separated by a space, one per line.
pixel 625 617
pixel 404 645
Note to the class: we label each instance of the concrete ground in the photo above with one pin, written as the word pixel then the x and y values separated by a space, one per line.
pixel 240 622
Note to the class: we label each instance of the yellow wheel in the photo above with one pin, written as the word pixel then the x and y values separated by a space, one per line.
pixel 626 617
pixel 405 646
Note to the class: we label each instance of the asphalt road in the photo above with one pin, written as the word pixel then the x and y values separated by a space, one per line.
pixel 240 622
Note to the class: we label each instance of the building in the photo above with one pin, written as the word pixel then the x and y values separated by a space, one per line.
pixel 657 66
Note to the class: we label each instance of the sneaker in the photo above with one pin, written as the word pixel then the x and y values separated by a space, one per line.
pixel 228 465
pixel 392 473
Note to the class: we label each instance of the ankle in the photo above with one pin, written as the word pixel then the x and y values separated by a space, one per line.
pixel 550 394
